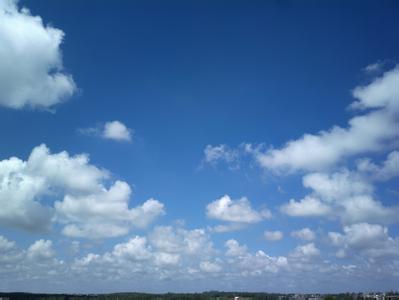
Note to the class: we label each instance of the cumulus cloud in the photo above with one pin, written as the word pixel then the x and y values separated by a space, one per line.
pixel 112 130
pixel 237 213
pixel 235 249
pixel 116 130
pixel 306 251
pixel 144 261
pixel 168 239
pixel 346 195
pixel 369 240
pixel 306 207
pixel 273 236
pixel 305 234
pixel 88 208
pixel 373 131
pixel 41 250
pixel 31 71
pixel 210 267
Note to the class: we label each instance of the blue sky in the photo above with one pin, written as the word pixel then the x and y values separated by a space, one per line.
pixel 195 145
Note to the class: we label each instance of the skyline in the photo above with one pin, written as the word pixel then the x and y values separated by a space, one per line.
pixel 156 146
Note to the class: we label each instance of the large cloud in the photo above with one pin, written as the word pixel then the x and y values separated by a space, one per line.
pixel 369 240
pixel 373 131
pixel 88 209
pixel 347 195
pixel 31 72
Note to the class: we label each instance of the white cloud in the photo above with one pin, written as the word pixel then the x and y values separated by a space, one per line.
pixel 273 236
pixel 31 71
pixel 230 227
pixel 237 211
pixel 234 248
pixel 41 250
pixel 305 234
pixel 369 240
pixel 364 208
pixel 135 249
pixel 106 213
pixel 178 240
pixel 346 195
pixel 88 208
pixel 338 185
pixel 388 169
pixel 306 251
pixel 221 153
pixel 19 191
pixel 381 93
pixel 116 130
pixel 373 131
pixel 307 207
pixel 112 130
pixel 210 267
pixel 139 262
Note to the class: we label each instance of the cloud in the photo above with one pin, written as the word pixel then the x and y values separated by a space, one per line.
pixel 87 209
pixel 179 240
pixel 230 227
pixel 41 250
pixel 307 207
pixel 221 154
pixel 210 267
pixel 148 263
pixel 306 251
pixel 6 245
pixel 373 131
pixel 113 130
pixel 117 131
pixel 305 234
pixel 239 211
pixel 31 71
pixel 105 214
pixel 273 236
pixel 388 169
pixel 369 240
pixel 234 248
pixel 347 195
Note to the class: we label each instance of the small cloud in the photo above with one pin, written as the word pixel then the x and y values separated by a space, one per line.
pixel 375 67
pixel 305 234
pixel 116 130
pixel 273 236
pixel 214 155
pixel 236 211
pixel 113 130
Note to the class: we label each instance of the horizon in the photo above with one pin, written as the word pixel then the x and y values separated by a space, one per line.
pixel 190 146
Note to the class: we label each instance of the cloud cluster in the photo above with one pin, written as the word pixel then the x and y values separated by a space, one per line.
pixel 346 195
pixel 31 71
pixel 87 207
pixel 176 256
pixel 369 240
pixel 238 213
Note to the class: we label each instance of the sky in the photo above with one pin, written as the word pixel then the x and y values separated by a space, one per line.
pixel 187 146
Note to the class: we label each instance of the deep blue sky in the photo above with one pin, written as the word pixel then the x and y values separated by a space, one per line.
pixel 187 74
